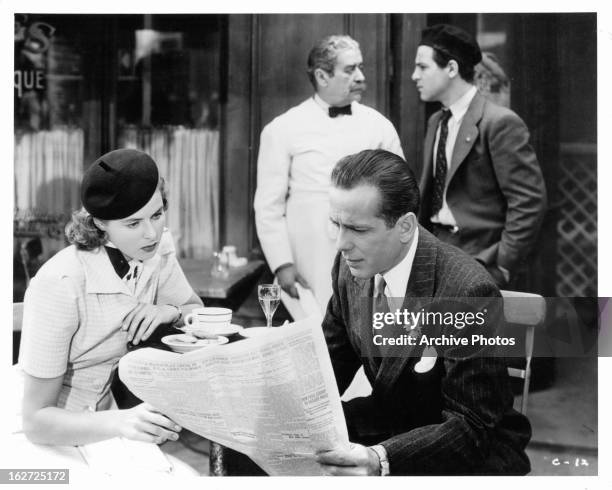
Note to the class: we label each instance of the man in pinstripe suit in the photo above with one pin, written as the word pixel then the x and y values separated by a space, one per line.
pixel 444 411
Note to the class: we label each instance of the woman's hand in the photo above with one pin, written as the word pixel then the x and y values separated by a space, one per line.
pixel 142 321
pixel 145 423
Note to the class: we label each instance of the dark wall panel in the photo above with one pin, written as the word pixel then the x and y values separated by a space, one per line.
pixel 285 41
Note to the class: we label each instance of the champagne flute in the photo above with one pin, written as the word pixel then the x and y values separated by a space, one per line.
pixel 269 299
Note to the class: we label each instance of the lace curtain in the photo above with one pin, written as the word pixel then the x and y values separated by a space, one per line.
pixel 48 170
pixel 188 160
pixel 49 165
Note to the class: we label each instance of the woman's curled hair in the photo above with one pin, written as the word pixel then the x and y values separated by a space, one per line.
pixel 83 233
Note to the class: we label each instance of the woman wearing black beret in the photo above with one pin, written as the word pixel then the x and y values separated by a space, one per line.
pixel 116 283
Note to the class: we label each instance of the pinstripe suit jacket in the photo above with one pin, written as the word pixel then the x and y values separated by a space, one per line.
pixel 456 418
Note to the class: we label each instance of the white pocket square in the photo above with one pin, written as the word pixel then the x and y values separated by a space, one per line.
pixel 427 360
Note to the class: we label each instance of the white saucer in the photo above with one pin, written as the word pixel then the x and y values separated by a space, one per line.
pixel 175 343
pixel 256 331
pixel 225 330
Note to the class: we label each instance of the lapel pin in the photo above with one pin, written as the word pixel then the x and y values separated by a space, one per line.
pixel 468 139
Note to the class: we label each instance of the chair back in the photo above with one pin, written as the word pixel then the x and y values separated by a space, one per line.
pixel 527 310
pixel 17 321
pixel 17 316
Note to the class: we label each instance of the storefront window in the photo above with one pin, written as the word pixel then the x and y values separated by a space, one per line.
pixel 169 71
pixel 48 74
pixel 86 84
pixel 168 85
pixel 49 136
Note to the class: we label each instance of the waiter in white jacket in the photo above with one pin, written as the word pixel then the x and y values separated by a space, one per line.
pixel 297 153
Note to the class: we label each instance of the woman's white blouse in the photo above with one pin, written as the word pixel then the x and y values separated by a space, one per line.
pixel 73 311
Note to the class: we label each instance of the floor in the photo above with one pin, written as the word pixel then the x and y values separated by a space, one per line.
pixel 562 411
pixel 564 421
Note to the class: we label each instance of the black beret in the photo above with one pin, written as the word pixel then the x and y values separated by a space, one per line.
pixel 460 45
pixel 118 184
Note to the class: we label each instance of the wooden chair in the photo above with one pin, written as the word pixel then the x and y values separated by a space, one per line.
pixel 527 310
pixel 17 320
pixel 30 252
pixel 17 316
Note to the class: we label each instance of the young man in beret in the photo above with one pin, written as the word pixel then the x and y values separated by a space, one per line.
pixel 481 184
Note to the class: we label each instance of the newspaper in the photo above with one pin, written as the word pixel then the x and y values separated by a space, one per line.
pixel 272 397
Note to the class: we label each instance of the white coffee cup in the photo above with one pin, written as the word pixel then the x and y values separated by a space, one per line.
pixel 210 319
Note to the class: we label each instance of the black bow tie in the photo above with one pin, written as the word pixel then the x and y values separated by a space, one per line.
pixel 336 111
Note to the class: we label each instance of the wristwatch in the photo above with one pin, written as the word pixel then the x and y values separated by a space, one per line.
pixel 381 452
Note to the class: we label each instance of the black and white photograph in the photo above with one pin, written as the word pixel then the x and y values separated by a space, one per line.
pixel 252 242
